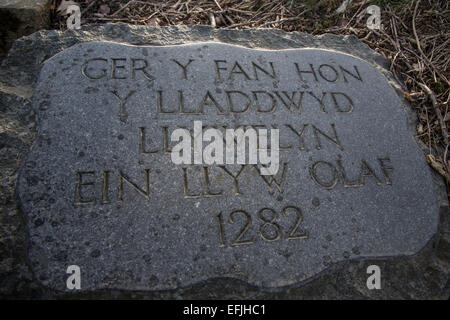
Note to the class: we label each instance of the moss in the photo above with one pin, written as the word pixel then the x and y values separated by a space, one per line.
pixel 438 87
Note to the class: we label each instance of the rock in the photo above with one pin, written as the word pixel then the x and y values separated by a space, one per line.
pixel 327 213
pixel 102 173
pixel 20 18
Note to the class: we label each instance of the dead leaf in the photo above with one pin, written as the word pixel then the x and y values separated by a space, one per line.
pixel 343 23
pixel 447 117
pixel 104 9
pixel 407 96
pixel 343 6
pixel 153 22
pixel 420 128
pixel 419 67
pixel 437 165
pixel 62 9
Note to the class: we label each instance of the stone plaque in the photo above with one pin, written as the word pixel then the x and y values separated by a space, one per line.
pixel 100 191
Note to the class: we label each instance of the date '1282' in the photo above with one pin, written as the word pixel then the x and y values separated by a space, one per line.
pixel 269 230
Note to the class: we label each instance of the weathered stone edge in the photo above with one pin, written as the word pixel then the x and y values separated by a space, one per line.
pixel 20 69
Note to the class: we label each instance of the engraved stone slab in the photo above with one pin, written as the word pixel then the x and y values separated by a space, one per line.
pixel 100 191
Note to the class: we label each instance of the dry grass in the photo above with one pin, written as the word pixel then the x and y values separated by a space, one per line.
pixel 415 37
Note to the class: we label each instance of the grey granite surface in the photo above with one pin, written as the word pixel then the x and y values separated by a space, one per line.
pixel 367 194
pixel 100 191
